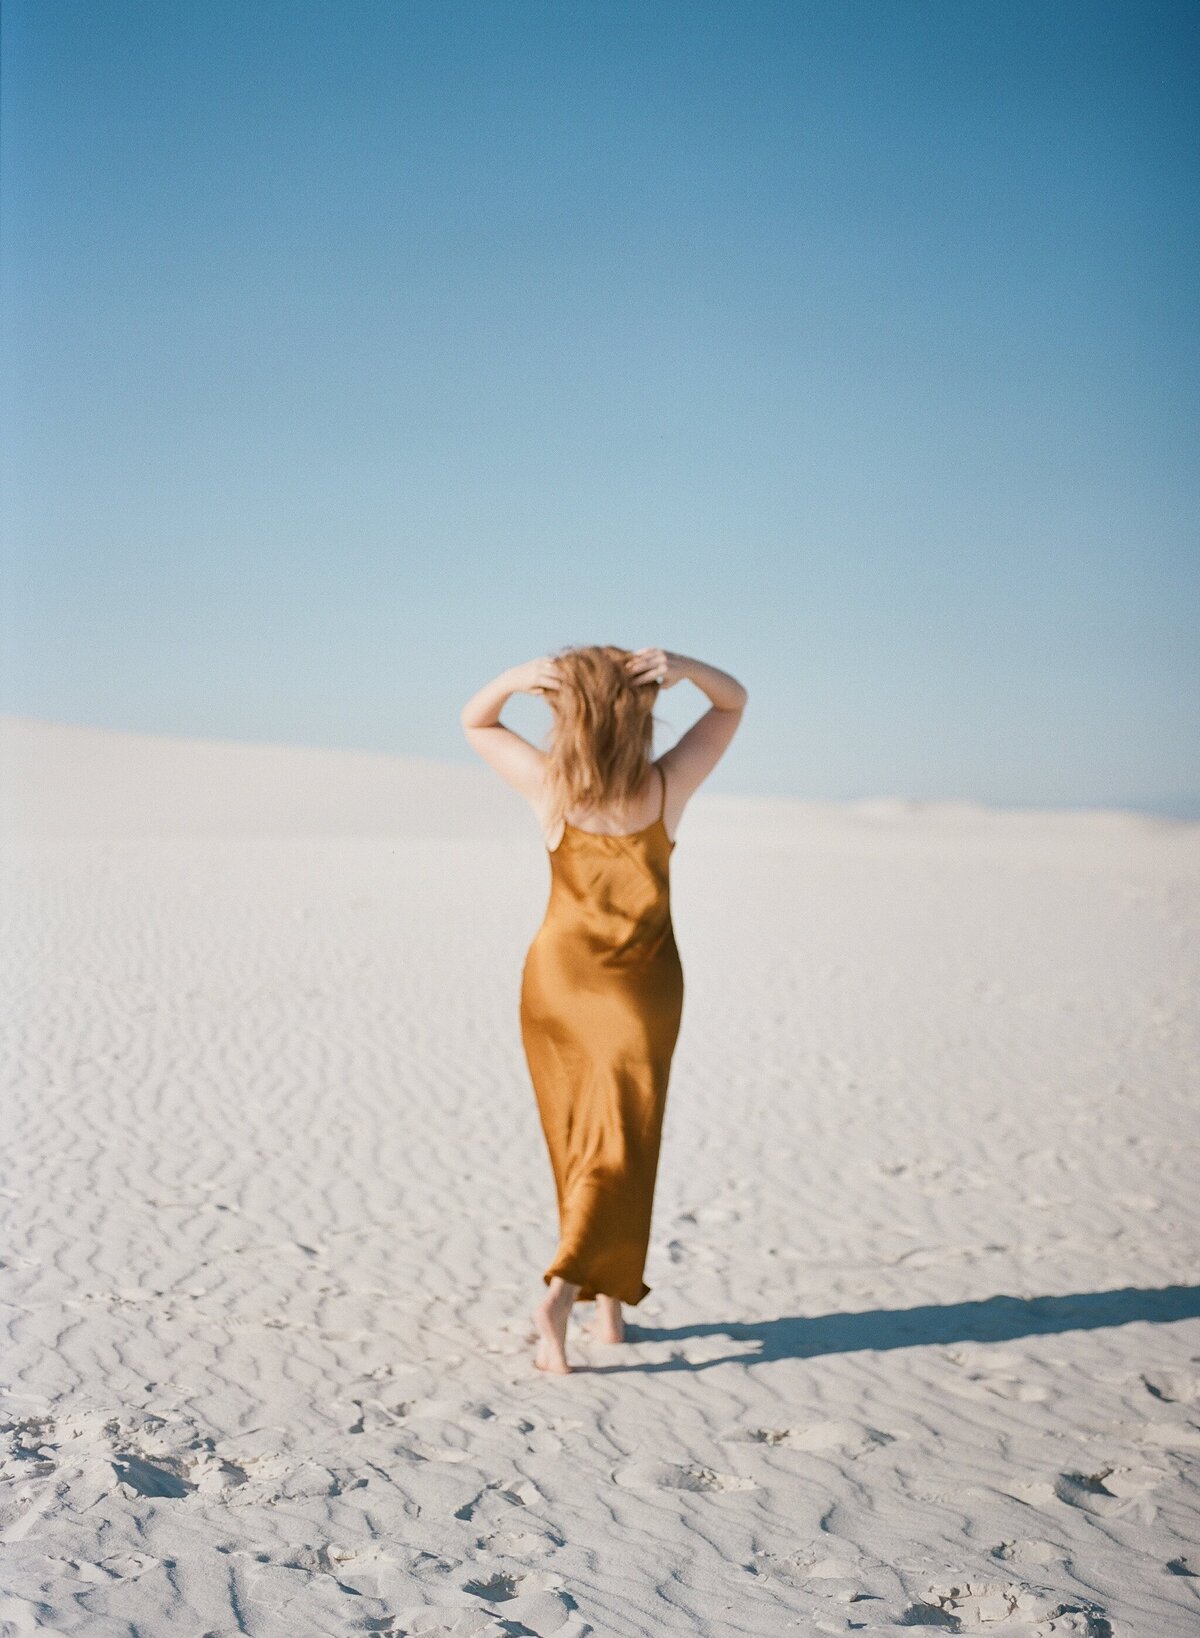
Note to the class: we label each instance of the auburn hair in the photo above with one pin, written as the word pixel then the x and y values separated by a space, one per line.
pixel 599 745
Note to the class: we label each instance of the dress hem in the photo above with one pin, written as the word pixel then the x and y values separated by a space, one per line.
pixel 586 1292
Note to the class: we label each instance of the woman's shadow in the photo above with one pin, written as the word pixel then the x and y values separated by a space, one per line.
pixel 994 1319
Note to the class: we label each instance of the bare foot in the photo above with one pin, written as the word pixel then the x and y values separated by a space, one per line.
pixel 551 1316
pixel 609 1323
pixel 542 1360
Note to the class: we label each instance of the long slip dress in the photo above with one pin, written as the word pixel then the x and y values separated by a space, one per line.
pixel 601 1004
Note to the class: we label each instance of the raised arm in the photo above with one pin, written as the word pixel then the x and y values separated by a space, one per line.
pixel 518 762
pixel 696 753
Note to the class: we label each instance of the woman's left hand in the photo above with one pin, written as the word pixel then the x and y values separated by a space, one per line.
pixel 655 665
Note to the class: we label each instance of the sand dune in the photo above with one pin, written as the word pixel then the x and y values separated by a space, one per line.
pixel 922 1349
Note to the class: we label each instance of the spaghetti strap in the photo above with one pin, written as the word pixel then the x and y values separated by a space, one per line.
pixel 662 805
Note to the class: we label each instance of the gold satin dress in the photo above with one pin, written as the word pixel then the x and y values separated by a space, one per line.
pixel 601 1003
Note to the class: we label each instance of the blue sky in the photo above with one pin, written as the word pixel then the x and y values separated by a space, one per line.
pixel 358 350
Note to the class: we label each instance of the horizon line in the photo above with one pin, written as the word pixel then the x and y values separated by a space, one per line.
pixel 1181 809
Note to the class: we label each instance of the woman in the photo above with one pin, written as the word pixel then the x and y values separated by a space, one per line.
pixel 602 984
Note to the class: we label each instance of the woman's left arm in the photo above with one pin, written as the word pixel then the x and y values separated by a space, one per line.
pixel 518 762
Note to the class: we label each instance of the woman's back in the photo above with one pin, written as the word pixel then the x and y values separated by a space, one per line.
pixel 650 810
pixel 610 902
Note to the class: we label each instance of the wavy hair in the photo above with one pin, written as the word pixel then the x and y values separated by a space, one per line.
pixel 600 742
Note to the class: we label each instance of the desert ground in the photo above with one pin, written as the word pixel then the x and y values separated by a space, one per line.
pixel 922 1348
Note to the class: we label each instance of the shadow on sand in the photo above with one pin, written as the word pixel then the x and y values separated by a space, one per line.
pixel 995 1319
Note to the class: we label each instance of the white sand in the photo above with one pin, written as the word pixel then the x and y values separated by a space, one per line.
pixel 277 1205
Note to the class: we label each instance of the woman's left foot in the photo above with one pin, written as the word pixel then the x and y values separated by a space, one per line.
pixel 609 1323
pixel 542 1360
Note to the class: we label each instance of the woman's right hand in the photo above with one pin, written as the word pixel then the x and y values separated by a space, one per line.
pixel 535 676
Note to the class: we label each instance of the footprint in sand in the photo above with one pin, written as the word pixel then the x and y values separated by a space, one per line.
pixel 500 1494
pixel 429 1437
pixel 162 1476
pixel 1173 1387
pixel 841 1438
pixel 368 1569
pixel 532 1603
pixel 1106 1493
pixel 1029 1552
pixel 825 1576
pixel 1168 1436
pixel 498 1587
pixel 678 1476
pixel 993 1376
pixel 984 1606
pixel 980 1386
pixel 27 1448
pixel 370 1415
pixel 116 1567
pixel 695 1251
pixel 166 1474
pixel 532 1613
pixel 143 1456
pixel 519 1543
